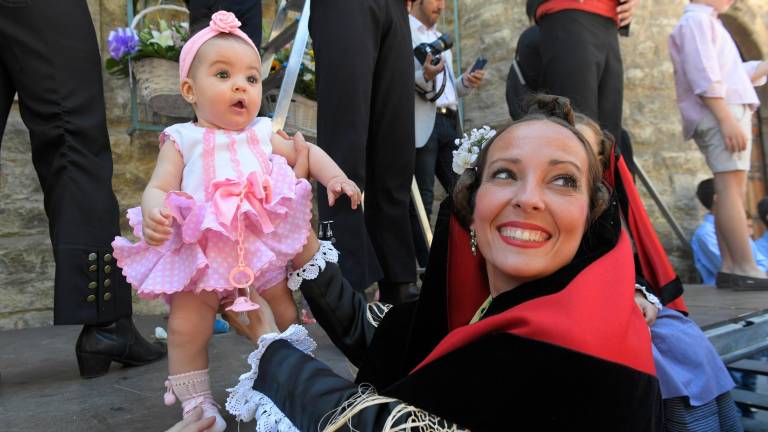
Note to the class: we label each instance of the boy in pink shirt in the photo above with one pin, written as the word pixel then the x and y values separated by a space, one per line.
pixel 716 96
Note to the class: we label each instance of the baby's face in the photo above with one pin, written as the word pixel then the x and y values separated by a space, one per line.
pixel 225 80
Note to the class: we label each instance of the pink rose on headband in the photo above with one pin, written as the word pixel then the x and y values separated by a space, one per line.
pixel 224 22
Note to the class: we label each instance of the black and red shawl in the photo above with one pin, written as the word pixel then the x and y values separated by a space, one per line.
pixel 570 351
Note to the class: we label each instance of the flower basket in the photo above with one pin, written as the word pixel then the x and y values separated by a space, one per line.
pixel 158 82
pixel 150 53
pixel 302 113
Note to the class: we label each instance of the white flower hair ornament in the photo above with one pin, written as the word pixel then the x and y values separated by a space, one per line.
pixel 465 156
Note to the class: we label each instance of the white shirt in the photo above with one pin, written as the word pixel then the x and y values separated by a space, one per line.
pixel 421 34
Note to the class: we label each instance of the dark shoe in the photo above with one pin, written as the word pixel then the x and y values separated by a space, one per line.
pixel 396 293
pixel 98 346
pixel 748 283
pixel 723 280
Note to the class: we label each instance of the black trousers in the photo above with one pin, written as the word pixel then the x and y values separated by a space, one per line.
pixel 581 61
pixel 365 121
pixel 435 159
pixel 248 12
pixel 49 56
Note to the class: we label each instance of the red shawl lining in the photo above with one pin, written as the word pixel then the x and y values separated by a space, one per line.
pixel 581 317
pixel 654 263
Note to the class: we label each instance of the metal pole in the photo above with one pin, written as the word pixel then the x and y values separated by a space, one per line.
pixel 664 211
pixel 292 70
pixel 421 212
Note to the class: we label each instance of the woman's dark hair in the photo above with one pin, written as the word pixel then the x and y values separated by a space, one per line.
pixel 557 110
pixel 605 141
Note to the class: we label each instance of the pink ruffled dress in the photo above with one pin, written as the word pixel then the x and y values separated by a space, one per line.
pixel 231 183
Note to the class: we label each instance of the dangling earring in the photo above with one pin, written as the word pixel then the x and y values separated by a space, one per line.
pixel 473 241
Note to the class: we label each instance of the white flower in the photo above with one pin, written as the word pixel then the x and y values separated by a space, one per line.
pixel 461 161
pixel 469 148
pixel 164 39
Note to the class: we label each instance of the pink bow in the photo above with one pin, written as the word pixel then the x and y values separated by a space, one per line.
pixel 230 195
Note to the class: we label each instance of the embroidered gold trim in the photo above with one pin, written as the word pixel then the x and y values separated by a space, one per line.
pixel 403 418
pixel 376 311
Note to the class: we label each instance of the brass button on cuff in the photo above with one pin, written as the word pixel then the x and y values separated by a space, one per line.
pixel 107 296
pixel 91 298
pixel 92 285
pixel 107 283
pixel 107 258
pixel 92 268
pixel 107 269
pixel 92 257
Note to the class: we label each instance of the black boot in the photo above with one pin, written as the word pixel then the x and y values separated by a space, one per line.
pixel 395 293
pixel 98 346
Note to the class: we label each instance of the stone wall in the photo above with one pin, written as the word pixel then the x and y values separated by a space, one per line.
pixel 490 27
pixel 674 167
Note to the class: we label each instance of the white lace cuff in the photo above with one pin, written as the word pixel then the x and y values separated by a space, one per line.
pixel 312 269
pixel 245 403
pixel 648 296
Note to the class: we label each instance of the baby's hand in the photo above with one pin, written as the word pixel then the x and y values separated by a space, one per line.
pixel 342 185
pixel 156 226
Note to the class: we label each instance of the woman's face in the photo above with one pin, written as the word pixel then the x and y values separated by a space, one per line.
pixel 532 204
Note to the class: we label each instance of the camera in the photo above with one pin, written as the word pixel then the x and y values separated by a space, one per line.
pixel 437 46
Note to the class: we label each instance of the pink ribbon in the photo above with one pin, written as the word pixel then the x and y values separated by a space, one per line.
pixel 253 192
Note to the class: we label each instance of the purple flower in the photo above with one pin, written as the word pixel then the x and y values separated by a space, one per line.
pixel 122 41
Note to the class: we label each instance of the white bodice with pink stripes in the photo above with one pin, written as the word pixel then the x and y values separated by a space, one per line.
pixel 211 154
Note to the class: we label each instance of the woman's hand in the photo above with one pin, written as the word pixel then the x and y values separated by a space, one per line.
pixel 156 226
pixel 260 321
pixel 193 422
pixel 309 251
pixel 341 185
pixel 647 308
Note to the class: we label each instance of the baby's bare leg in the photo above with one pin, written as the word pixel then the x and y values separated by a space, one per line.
pixel 283 307
pixel 190 326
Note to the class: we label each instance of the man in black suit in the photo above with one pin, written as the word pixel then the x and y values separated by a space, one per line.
pixel 50 58
pixel 365 121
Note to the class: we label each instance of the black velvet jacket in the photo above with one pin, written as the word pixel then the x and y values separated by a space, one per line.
pixel 499 382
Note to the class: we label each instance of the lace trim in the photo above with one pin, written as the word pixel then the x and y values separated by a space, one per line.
pixel 245 403
pixel 375 312
pixel 233 154
pixel 255 145
pixel 403 418
pixel 209 160
pixel 312 269
pixel 649 296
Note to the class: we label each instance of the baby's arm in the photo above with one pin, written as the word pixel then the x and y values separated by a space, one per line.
pixel 321 167
pixel 156 224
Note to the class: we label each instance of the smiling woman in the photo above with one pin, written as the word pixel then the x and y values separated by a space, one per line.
pixel 530 321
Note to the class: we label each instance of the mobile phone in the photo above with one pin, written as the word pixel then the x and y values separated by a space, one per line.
pixel 479 64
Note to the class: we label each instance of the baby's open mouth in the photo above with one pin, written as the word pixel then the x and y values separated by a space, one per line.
pixel 239 105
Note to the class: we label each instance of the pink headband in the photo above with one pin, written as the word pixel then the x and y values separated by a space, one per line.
pixel 221 22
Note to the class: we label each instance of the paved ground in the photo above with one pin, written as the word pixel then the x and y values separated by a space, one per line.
pixel 40 389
